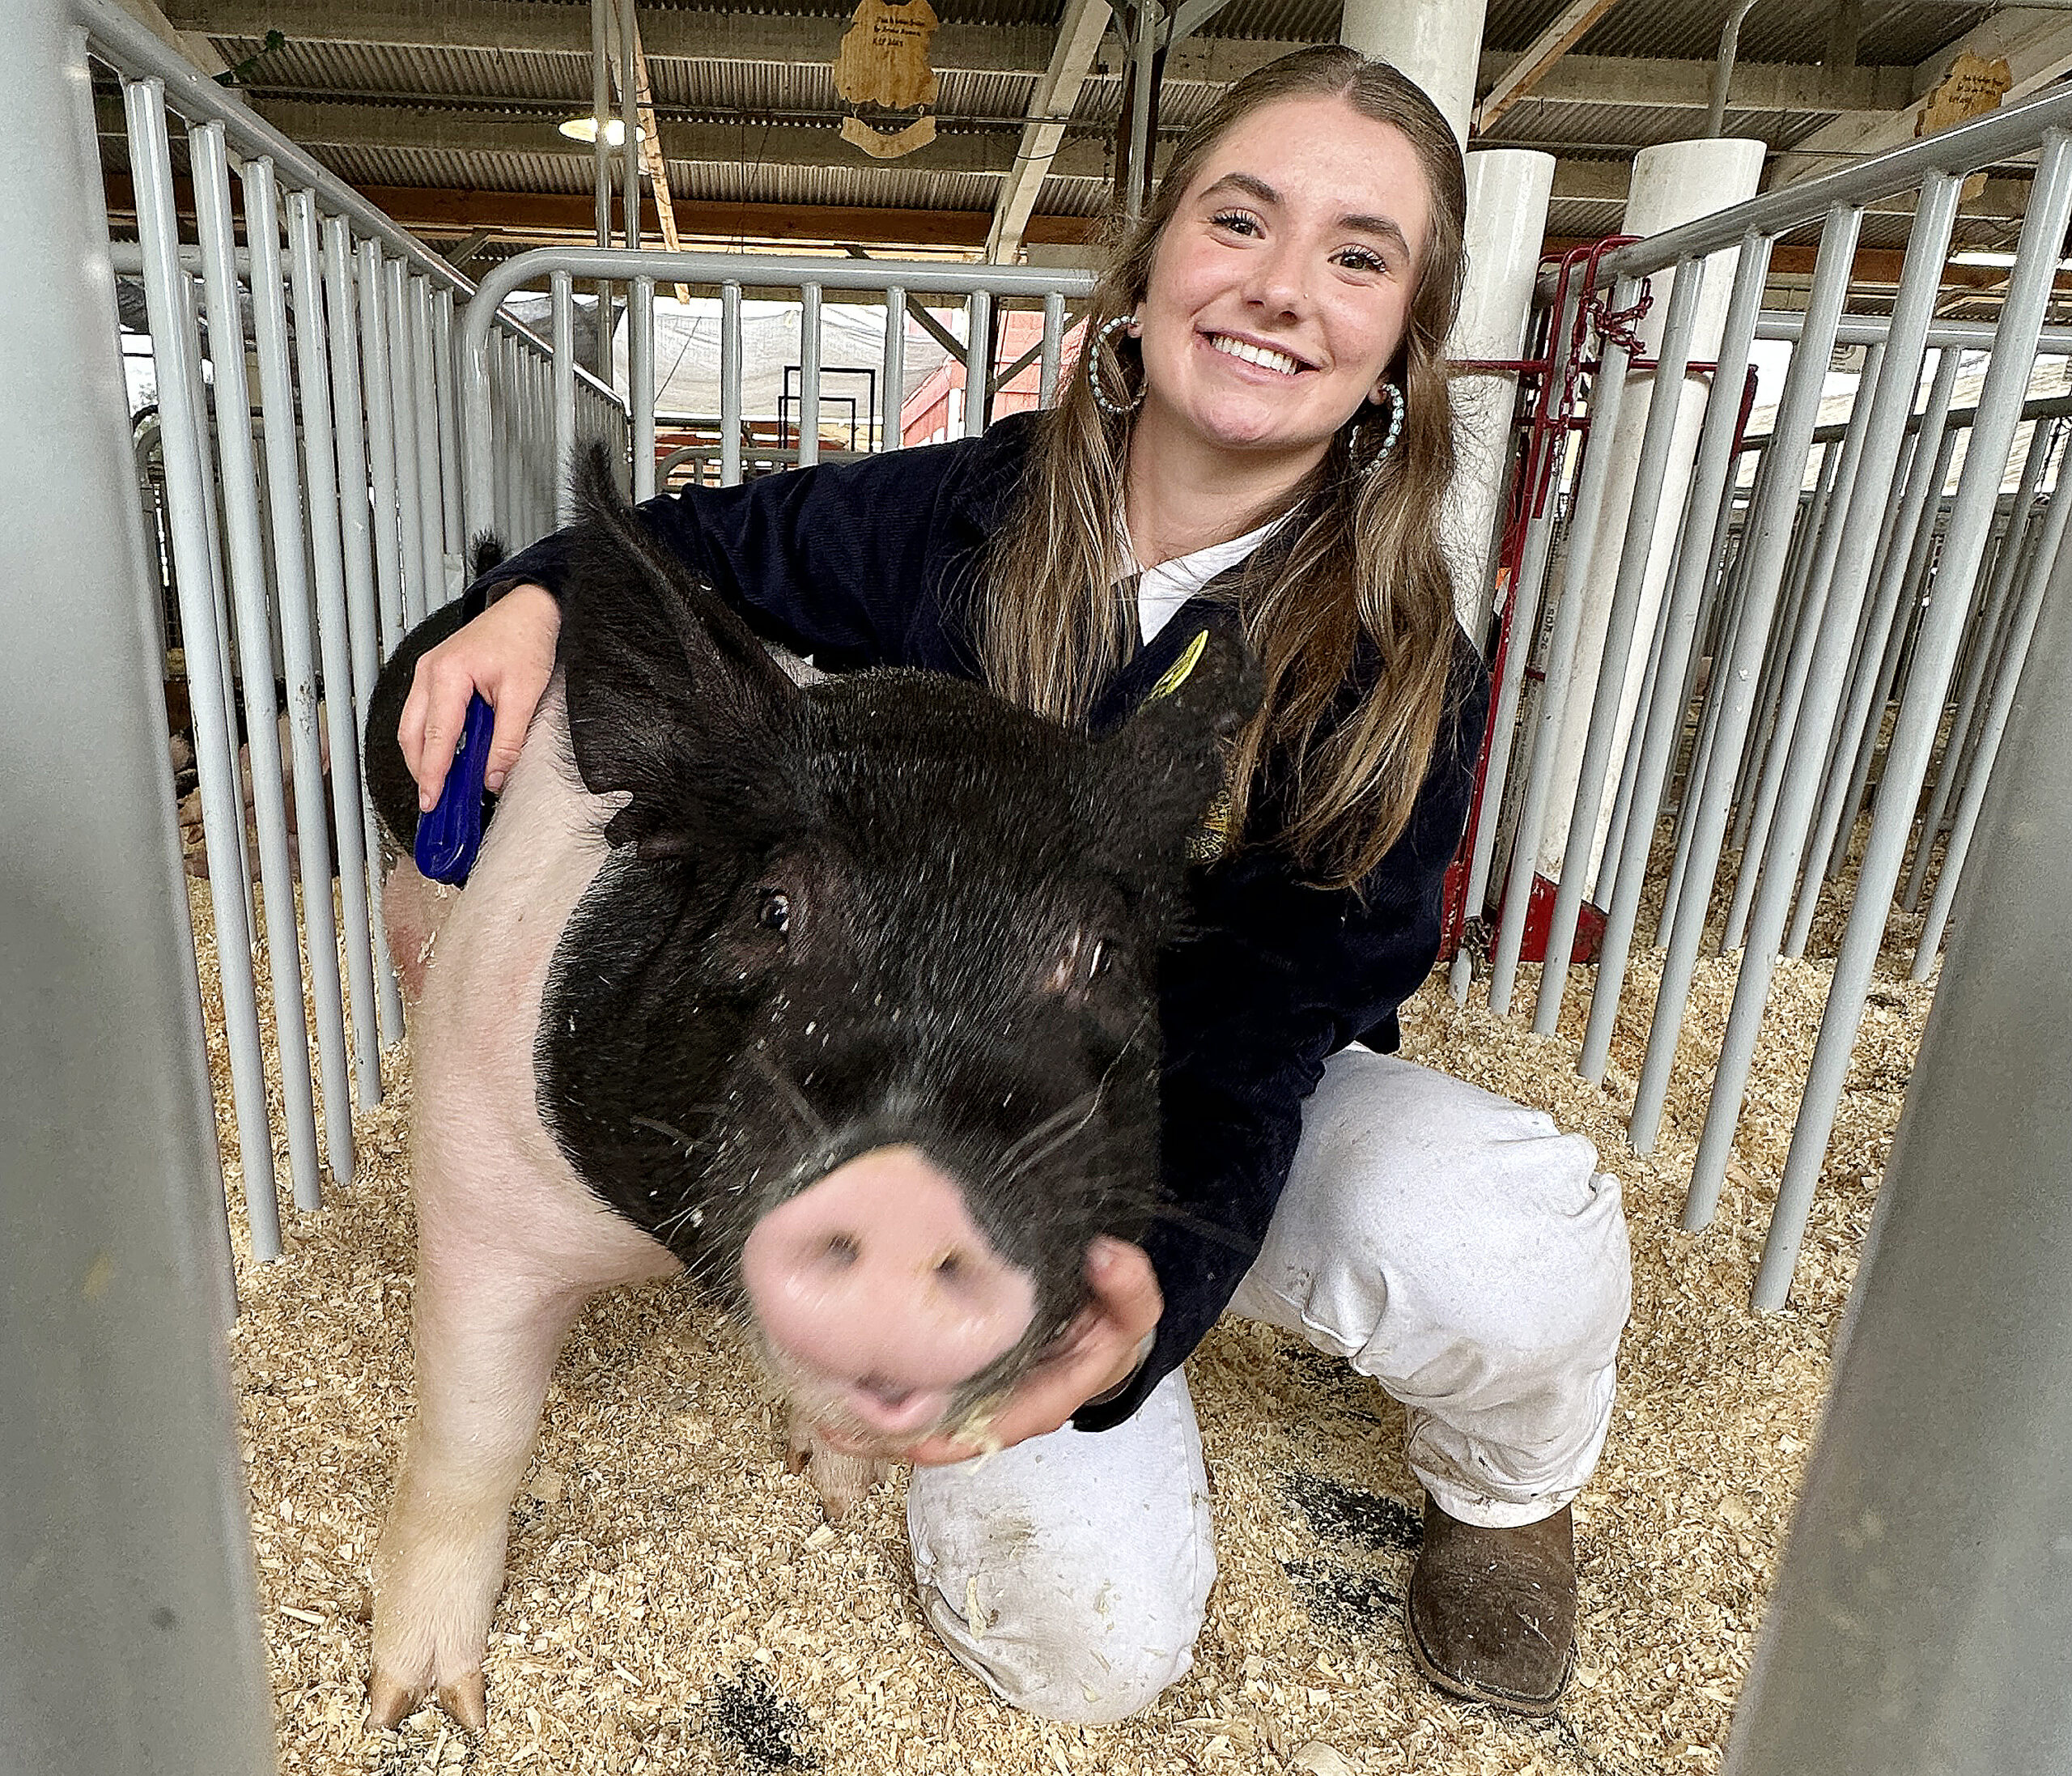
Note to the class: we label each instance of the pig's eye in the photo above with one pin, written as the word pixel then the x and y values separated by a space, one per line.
pixel 774 911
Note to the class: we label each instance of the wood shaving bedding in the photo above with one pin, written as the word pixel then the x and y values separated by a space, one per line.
pixel 675 1603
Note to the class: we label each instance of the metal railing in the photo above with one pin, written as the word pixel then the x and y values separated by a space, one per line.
pixel 487 411
pixel 1847 578
pixel 307 533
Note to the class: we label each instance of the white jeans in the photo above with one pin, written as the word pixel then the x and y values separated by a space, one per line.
pixel 1449 1244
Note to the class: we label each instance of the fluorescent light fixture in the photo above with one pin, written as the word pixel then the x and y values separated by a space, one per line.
pixel 1982 256
pixel 584 129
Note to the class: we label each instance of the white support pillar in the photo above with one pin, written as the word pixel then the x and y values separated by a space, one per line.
pixel 1437 43
pixel 1672 183
pixel 1507 194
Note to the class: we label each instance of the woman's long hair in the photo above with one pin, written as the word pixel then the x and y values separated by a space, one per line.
pixel 1359 557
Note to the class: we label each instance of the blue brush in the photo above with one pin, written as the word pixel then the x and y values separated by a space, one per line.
pixel 450 835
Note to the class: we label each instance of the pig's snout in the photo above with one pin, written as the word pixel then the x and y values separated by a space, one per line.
pixel 877 1285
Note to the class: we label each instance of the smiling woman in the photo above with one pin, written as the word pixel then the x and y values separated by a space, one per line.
pixel 1257 440
pixel 1283 305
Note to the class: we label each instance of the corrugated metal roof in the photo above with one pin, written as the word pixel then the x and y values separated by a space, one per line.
pixel 343 69
pixel 1774 31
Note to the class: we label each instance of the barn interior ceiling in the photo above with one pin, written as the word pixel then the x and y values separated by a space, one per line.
pixel 449 113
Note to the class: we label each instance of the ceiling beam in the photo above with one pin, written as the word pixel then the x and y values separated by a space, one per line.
pixel 1056 98
pixel 1757 86
pixel 1523 74
pixel 537 219
pixel 2037 45
pixel 531 25
pixel 193 44
pixel 319 125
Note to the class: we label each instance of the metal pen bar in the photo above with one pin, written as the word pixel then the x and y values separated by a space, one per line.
pixel 1993 606
pixel 452 541
pixel 772 271
pixel 2049 575
pixel 1943 335
pixel 1696 570
pixel 403 408
pixel 809 374
pixel 1841 511
pixel 1605 394
pixel 239 881
pixel 978 359
pixel 277 401
pixel 640 375
pixel 1665 401
pixel 564 390
pixel 1890 400
pixel 629 146
pixel 381 448
pixel 334 643
pixel 730 384
pixel 1815 511
pixel 189 497
pixel 425 389
pixel 1054 334
pixel 2013 129
pixel 891 435
pixel 1770 527
pixel 1906 761
pixel 238 472
pixel 1902 601
pixel 1523 626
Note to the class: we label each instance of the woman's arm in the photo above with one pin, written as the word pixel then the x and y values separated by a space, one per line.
pixel 1278 977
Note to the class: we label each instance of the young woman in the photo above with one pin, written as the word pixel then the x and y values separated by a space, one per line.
pixel 1258 434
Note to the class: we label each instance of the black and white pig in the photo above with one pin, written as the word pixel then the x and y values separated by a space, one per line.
pixel 841 997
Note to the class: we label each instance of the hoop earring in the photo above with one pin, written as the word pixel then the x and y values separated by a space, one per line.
pixel 1395 427
pixel 1093 371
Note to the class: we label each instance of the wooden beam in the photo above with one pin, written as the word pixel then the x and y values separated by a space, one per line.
pixel 651 136
pixel 539 218
pixel 1518 79
pixel 1056 97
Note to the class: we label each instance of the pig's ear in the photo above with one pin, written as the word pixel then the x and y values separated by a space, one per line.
pixel 1172 749
pixel 670 697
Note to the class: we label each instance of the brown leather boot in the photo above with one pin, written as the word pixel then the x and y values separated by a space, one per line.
pixel 1492 1612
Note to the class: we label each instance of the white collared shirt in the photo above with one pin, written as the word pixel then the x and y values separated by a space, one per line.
pixel 1161 591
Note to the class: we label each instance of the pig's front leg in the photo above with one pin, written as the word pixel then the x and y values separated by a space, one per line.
pixel 487 1329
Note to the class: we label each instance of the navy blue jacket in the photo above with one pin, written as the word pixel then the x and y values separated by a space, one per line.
pixel 876 563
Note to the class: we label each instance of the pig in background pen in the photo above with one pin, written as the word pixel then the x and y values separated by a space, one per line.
pixel 840 997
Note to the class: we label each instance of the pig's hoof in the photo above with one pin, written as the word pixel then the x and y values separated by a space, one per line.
pixel 466 1700
pixel 388 1702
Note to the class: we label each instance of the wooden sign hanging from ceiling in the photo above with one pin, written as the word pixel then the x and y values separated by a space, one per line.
pixel 882 74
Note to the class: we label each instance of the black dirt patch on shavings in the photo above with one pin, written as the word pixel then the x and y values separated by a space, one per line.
pixel 1336 1385
pixel 749 1713
pixel 1354 1602
pixel 1342 1513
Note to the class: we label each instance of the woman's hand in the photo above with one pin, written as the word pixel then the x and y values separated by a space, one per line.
pixel 507 654
pixel 1099 1351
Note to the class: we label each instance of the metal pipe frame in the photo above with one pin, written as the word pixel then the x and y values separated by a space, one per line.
pixel 1606 394
pixel 640 372
pixel 731 273
pixel 238 478
pixel 403 411
pixel 2000 400
pixel 2049 572
pixel 2011 132
pixel 1665 401
pixel 2006 564
pixel 1943 335
pixel 1771 525
pixel 424 365
pixel 809 374
pixel 190 500
pixel 1706 517
pixel 564 390
pixel 334 643
pixel 1892 400
pixel 1522 623
pixel 381 448
pixel 293 604
pixel 451 542
pixel 891 435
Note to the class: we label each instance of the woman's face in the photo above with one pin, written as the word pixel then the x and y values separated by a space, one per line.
pixel 1280 290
